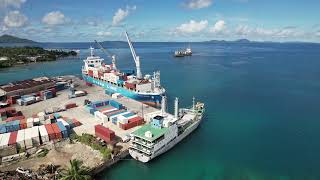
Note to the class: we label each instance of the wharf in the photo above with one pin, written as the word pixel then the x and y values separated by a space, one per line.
pixel 95 93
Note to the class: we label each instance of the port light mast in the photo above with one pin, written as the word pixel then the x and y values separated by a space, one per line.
pixel 135 57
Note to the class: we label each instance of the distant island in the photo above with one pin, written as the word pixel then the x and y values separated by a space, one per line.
pixel 12 39
pixel 10 56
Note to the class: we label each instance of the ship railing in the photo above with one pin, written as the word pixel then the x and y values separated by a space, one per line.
pixel 144 143
pixel 142 149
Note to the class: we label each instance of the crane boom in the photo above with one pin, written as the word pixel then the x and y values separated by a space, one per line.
pixel 135 57
pixel 133 52
pixel 112 57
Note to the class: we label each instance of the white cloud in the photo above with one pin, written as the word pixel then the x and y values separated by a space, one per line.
pixel 55 18
pixel 198 4
pixel 102 33
pixel 192 26
pixel 318 33
pixel 121 14
pixel 218 27
pixel 286 32
pixel 15 19
pixel 11 3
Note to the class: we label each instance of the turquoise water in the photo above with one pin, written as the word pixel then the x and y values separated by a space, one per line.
pixel 262 100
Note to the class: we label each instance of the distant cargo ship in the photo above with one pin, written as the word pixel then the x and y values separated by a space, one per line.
pixel 182 53
pixel 146 89
pixel 164 131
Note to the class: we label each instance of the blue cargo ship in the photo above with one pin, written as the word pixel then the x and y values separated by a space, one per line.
pixel 145 89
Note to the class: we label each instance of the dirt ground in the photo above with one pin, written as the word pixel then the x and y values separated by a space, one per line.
pixel 61 157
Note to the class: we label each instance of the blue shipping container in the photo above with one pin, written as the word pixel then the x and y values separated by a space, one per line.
pixel 128 114
pixel 2 129
pixel 115 104
pixel 63 130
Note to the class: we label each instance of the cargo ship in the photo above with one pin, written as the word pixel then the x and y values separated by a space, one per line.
pixel 164 130
pixel 145 89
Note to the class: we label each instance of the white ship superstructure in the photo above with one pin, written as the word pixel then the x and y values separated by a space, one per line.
pixel 164 130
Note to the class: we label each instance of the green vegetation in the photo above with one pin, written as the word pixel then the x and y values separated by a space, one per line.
pixel 91 141
pixel 76 171
pixel 43 153
pixel 10 56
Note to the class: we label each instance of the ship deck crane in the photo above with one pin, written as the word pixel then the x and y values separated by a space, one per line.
pixel 135 57
pixel 112 57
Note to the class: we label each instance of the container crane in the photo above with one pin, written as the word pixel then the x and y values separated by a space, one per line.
pixel 112 57
pixel 135 57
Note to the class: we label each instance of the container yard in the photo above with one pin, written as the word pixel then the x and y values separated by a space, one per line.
pixel 53 116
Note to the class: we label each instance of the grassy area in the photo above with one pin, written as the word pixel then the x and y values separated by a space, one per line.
pixel 91 141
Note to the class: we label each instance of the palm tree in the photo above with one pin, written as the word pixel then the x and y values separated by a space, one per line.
pixel 76 171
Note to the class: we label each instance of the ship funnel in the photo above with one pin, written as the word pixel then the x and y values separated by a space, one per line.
pixel 176 108
pixel 164 104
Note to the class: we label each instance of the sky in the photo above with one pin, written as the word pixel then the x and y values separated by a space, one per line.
pixel 161 20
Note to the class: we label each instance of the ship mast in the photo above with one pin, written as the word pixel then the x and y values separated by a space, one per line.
pixel 135 57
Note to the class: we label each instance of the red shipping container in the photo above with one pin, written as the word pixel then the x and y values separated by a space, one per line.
pixel 70 105
pixel 23 123
pixel 90 73
pixel 13 138
pixel 76 122
pixel 130 85
pixel 114 112
pixel 105 109
pixel 57 131
pixel 14 118
pixel 50 131
pixel 104 133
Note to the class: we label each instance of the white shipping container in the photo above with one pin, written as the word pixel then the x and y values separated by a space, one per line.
pixel 35 136
pixel 4 140
pixel 100 116
pixel 20 139
pixel 43 134
pixel 30 122
pixel 122 120
pixel 28 138
pixel 36 121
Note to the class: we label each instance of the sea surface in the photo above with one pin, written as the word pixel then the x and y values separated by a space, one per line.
pixel 262 119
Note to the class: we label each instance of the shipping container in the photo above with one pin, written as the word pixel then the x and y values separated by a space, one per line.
pixel 30 122
pixel 35 136
pixel 104 133
pixel 3 129
pixel 67 125
pixel 70 105
pixel 13 138
pixel 63 129
pixel 20 139
pixel 44 137
pixel 76 122
pixel 100 116
pixel 36 121
pixel 57 131
pixel 108 109
pixel 28 138
pixel 116 104
pixel 23 123
pixel 4 140
pixel 50 132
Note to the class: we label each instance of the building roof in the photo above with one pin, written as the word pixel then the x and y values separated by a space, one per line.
pixel 156 132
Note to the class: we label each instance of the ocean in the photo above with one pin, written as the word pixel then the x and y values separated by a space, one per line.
pixel 262 119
